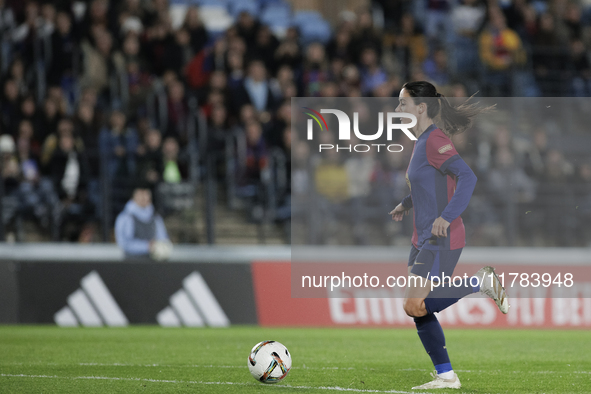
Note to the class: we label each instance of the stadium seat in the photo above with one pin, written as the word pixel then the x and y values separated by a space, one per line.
pixel 238 6
pixel 215 18
pixel 315 30
pixel 276 16
pixel 273 2
pixel 212 3
pixel 303 17
pixel 273 7
pixel 177 14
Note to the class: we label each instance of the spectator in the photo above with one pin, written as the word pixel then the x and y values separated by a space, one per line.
pixel 559 222
pixel 535 157
pixel 64 51
pixel 51 143
pixel 7 21
pixel 235 69
pixel 256 160
pixel 512 193
pixel 118 146
pixel 178 51
pixel 572 21
pixel 248 28
pixel 28 111
pixel 26 137
pixel 17 74
pixel 550 57
pixel 218 86
pixel 150 162
pixel 56 94
pixel 508 182
pixel 315 69
pixel 437 26
pixel 372 74
pixel 23 35
pixel 582 69
pixel 218 130
pixel 172 167
pixel 500 50
pixel 289 51
pixel 274 133
pixel 359 168
pixel 340 46
pixel 408 43
pixel 435 68
pixel 178 111
pixel 10 168
pixel 197 33
pixel 138 79
pixel 138 228
pixel 86 127
pixel 331 178
pixel 36 195
pixel 256 89
pixel 69 172
pixel 49 119
pixel 10 107
pixel 265 46
pixel 364 36
pixel 468 19
pixel 99 60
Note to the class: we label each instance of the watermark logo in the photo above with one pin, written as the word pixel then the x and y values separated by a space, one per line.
pixel 344 129
pixel 314 116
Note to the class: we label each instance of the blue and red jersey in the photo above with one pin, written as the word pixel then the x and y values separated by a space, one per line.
pixel 441 184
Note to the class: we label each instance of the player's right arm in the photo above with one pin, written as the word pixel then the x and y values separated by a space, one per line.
pixel 401 209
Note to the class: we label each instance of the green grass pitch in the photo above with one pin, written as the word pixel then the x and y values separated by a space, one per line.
pixel 47 359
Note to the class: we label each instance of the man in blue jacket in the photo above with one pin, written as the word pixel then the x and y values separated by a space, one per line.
pixel 138 227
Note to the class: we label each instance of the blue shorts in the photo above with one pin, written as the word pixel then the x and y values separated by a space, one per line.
pixel 428 263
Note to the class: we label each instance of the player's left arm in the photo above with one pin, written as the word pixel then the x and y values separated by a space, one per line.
pixel 464 189
pixel 442 155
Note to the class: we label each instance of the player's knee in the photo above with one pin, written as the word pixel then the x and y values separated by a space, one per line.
pixel 413 307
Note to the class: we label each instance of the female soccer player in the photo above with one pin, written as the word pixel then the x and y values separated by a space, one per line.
pixel 441 185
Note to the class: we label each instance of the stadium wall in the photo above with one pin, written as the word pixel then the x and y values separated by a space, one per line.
pixel 74 285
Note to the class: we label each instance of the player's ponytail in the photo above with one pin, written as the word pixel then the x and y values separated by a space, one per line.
pixel 456 119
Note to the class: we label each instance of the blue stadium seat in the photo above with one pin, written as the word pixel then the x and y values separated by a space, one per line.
pixel 269 2
pixel 302 17
pixel 237 6
pixel 212 3
pixel 315 30
pixel 277 7
pixel 276 16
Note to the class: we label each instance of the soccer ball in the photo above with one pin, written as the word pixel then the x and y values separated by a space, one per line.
pixel 161 250
pixel 269 362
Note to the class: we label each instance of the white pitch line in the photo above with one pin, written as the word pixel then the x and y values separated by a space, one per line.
pixel 303 367
pixel 328 388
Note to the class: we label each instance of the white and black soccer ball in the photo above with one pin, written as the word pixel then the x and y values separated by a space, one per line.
pixel 161 250
pixel 269 362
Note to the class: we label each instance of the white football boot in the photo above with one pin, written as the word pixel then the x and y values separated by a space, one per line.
pixel 440 383
pixel 491 286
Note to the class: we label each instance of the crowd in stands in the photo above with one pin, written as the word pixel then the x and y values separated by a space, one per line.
pixel 101 92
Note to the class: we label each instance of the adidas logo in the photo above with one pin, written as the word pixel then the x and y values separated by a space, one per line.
pixel 193 306
pixel 91 306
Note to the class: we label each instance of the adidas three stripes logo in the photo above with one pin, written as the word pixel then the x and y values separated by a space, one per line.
pixel 193 306
pixel 93 305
